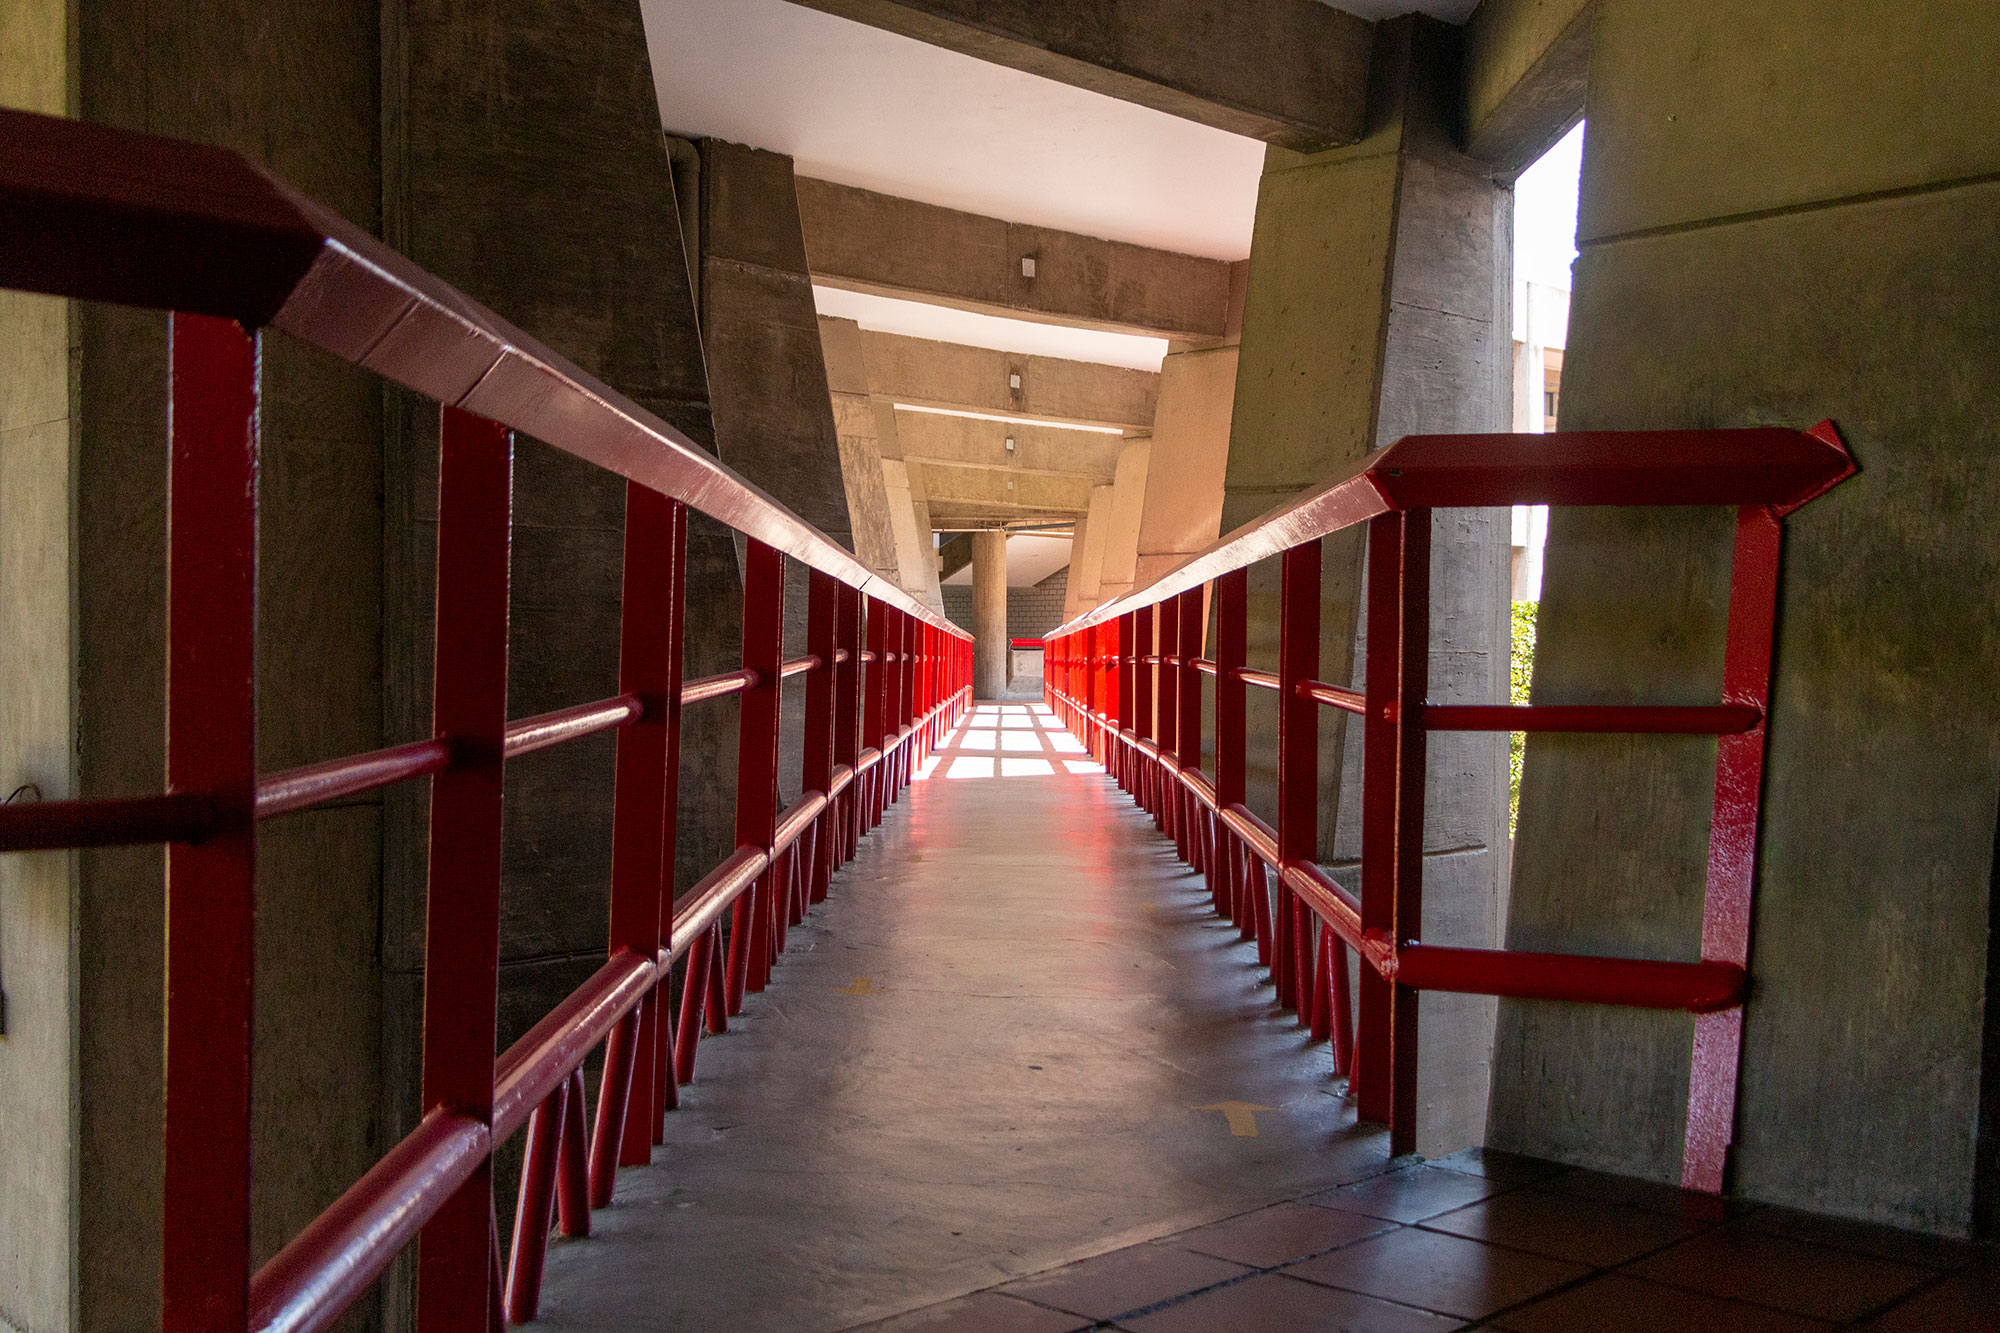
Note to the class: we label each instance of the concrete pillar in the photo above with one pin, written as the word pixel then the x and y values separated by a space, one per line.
pixel 1839 262
pixel 1376 308
pixel 989 614
pixel 524 163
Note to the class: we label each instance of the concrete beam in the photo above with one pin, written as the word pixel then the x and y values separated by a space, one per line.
pixel 1190 457
pixel 1527 64
pixel 969 442
pixel 1290 72
pixel 953 489
pixel 867 242
pixel 976 379
pixel 1121 536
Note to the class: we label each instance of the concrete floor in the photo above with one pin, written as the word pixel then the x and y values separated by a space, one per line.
pixel 997 1049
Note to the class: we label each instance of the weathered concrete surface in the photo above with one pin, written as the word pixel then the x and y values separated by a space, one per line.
pixel 1128 499
pixel 294 85
pixel 975 379
pixel 989 614
pixel 1378 307
pixel 1527 63
pixel 525 164
pixel 929 437
pixel 1184 490
pixel 861 462
pixel 1290 72
pixel 1731 279
pixel 868 242
pixel 38 908
pixel 979 494
pixel 766 368
pixel 1086 566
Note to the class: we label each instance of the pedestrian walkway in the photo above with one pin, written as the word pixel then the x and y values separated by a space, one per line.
pixel 1016 1077
pixel 1013 1037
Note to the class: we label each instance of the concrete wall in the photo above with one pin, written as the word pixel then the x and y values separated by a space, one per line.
pixel 1765 244
pixel 38 954
pixel 294 85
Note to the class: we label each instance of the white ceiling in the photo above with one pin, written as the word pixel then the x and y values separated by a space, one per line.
pixel 916 319
pixel 860 106
pixel 1031 557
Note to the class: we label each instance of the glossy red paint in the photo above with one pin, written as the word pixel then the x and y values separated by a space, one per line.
pixel 1765 472
pixel 462 927
pixel 211 756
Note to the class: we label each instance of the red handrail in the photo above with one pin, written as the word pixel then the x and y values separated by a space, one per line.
pixel 94 213
pixel 1125 674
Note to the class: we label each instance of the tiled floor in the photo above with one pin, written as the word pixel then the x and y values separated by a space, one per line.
pixel 1484 1241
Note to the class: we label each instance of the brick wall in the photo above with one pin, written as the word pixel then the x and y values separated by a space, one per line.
pixel 1031 612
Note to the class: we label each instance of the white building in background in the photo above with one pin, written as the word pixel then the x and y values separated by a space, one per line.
pixel 1541 331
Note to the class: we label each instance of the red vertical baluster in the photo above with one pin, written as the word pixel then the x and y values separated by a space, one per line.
pixel 716 1007
pixel 757 755
pixel 211 885
pixel 1732 843
pixel 642 809
pixel 462 926
pixel 1189 627
pixel 1298 757
pixel 1392 810
pixel 874 700
pixel 1143 726
pixel 1168 713
pixel 847 715
pixel 1231 655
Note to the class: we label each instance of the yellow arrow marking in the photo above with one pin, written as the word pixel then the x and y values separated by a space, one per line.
pixel 861 987
pixel 1242 1116
pixel 1147 908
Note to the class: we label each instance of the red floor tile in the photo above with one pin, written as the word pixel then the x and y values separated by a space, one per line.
pixel 1409 1195
pixel 1278 1235
pixel 1784 1274
pixel 1968 1303
pixel 1880 1242
pixel 1127 1279
pixel 1278 1304
pixel 1505 1167
pixel 1583 1231
pixel 982 1312
pixel 1439 1272
pixel 1617 1304
pixel 1647 1195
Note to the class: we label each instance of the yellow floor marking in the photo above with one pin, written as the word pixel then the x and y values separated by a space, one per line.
pixel 862 987
pixel 1242 1116
pixel 1147 908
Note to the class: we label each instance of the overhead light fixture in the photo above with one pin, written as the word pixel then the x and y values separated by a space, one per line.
pixel 1012 421
pixel 1027 266
pixel 1010 444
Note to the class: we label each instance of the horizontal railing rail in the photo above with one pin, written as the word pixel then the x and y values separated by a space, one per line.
pixel 1127 677
pixel 98 214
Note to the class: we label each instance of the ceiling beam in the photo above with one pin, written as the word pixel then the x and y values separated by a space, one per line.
pixel 976 379
pixel 1526 69
pixel 956 490
pixel 965 442
pixel 1289 72
pixel 876 243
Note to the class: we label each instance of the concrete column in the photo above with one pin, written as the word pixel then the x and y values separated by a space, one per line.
pixel 1839 262
pixel 523 161
pixel 989 614
pixel 1376 308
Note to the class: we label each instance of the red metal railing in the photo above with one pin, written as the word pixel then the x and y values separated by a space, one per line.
pixel 1127 678
pixel 98 214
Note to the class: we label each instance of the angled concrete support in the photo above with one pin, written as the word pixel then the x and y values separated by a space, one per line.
pixel 1376 308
